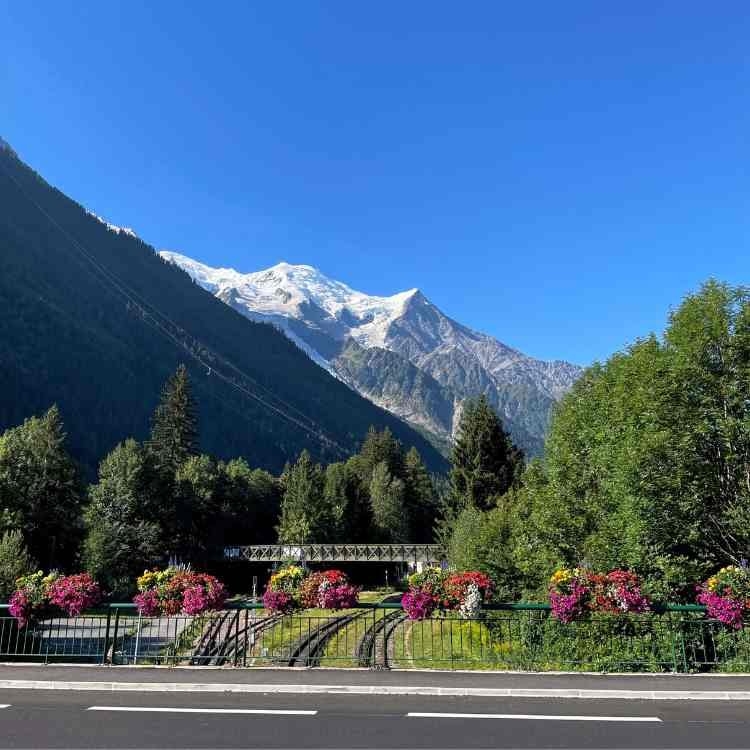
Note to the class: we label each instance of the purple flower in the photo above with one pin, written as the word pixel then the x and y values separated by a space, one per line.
pixel 73 594
pixel 278 601
pixel 725 609
pixel 147 602
pixel 343 596
pixel 417 604
pixel 569 607
pixel 20 607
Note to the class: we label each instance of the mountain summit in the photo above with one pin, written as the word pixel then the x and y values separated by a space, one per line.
pixel 401 351
pixel 94 321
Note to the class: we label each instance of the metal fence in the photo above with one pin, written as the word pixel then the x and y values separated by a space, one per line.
pixel 514 636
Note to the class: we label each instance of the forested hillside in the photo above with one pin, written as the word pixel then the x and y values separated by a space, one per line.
pixel 94 321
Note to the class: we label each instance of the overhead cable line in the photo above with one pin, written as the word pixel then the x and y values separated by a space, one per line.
pixel 198 351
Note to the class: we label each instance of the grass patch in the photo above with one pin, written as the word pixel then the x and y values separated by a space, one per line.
pixel 445 643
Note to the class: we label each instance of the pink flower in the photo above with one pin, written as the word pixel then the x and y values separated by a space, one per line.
pixel 725 609
pixel 342 596
pixel 180 591
pixel 418 604
pixel 73 594
pixel 147 603
pixel 569 607
pixel 194 600
pixel 20 607
pixel 278 601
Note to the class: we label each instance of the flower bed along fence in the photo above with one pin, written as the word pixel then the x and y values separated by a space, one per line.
pixel 510 636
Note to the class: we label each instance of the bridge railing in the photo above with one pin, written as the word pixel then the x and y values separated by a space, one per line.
pixel 313 553
pixel 673 638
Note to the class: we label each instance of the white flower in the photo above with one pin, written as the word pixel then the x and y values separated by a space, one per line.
pixel 321 592
pixel 472 602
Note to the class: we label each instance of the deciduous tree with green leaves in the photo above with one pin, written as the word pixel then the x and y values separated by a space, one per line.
pixel 15 561
pixel 41 489
pixel 648 458
pixel 123 535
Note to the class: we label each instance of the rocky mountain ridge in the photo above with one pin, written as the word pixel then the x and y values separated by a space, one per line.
pixel 402 352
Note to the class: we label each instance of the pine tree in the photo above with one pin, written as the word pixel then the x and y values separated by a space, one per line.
pixel 337 492
pixel 421 505
pixel 302 503
pixel 381 447
pixel 387 499
pixel 41 488
pixel 174 430
pixel 485 463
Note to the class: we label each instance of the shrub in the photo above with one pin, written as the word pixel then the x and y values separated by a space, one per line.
pixel 327 589
pixel 574 593
pixel 15 561
pixel 38 595
pixel 726 596
pixel 178 590
pixel 433 589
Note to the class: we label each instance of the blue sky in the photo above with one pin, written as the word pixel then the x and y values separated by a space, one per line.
pixel 555 174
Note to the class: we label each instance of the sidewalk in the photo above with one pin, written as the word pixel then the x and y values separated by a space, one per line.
pixel 364 682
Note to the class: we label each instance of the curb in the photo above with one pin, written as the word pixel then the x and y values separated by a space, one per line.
pixel 229 687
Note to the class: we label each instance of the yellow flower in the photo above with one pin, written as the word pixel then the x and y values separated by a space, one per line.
pixel 561 576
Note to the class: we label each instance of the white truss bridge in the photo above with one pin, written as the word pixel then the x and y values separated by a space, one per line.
pixel 311 553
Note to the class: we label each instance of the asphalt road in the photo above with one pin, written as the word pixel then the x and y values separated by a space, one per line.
pixel 56 719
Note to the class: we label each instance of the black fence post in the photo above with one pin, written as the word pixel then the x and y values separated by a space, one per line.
pixel 246 640
pixel 237 639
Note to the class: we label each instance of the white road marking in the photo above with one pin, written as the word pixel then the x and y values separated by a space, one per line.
pixel 167 710
pixel 533 717
pixel 4 705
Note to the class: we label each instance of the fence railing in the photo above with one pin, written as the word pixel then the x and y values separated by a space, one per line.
pixel 674 638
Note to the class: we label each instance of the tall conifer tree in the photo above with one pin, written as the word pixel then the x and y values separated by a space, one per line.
pixel 421 505
pixel 387 499
pixel 485 462
pixel 174 429
pixel 302 504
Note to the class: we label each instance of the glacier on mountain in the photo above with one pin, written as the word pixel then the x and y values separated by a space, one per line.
pixel 428 365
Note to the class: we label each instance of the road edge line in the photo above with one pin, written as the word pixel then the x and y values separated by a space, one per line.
pixel 463 692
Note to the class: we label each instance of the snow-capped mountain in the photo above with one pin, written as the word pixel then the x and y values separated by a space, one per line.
pixel 401 351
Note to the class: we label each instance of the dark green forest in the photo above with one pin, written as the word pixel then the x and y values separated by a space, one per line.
pixel 94 321
pixel 162 499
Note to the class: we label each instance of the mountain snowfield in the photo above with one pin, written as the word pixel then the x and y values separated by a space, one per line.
pixel 400 351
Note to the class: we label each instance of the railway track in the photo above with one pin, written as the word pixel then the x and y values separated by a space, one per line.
pixel 376 638
pixel 224 641
pixel 308 651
